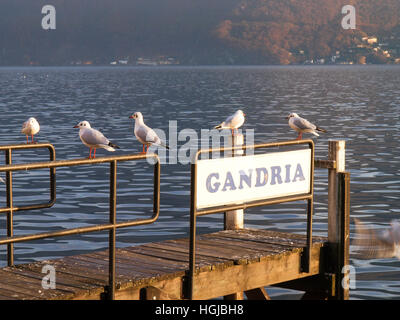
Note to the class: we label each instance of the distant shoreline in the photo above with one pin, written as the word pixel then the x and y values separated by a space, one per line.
pixel 182 66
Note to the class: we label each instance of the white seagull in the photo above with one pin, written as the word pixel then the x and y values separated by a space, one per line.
pixel 93 138
pixel 234 121
pixel 302 125
pixel 145 134
pixel 30 128
pixel 370 244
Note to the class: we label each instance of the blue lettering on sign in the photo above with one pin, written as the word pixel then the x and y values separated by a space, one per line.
pixel 246 178
pixel 212 188
pixel 287 179
pixel 298 174
pixel 262 176
pixel 229 182
pixel 277 173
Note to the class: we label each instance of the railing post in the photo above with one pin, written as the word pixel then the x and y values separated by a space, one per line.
pixel 234 219
pixel 112 232
pixel 192 239
pixel 9 190
pixel 344 237
pixel 337 153
pixel 338 215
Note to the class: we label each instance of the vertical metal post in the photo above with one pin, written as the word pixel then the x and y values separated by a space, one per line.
pixel 307 257
pixel 336 153
pixel 112 232
pixel 344 233
pixel 9 190
pixel 52 176
pixel 337 195
pixel 192 247
pixel 156 184
pixel 310 210
pixel 234 219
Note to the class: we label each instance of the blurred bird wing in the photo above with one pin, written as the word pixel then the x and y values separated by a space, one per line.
pixel 370 245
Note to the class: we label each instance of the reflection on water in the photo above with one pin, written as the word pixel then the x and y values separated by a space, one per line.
pixel 358 104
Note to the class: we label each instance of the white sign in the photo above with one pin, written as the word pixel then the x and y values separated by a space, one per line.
pixel 244 179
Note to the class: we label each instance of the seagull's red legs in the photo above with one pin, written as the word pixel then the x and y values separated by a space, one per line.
pixel 300 136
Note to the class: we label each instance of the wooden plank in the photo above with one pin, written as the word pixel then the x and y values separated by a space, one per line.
pixel 164 290
pixel 281 237
pixel 266 247
pixel 325 164
pixel 81 286
pixel 220 248
pixel 180 251
pixel 25 284
pixel 87 276
pixel 278 268
pixel 128 268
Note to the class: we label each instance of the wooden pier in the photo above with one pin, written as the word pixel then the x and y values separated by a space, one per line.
pixel 230 263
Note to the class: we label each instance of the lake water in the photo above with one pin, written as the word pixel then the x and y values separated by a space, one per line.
pixel 360 104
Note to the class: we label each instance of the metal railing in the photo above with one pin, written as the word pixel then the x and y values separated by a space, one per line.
pixel 111 226
pixel 9 209
pixel 194 212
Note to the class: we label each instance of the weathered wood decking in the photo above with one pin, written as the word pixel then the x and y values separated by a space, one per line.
pixel 227 262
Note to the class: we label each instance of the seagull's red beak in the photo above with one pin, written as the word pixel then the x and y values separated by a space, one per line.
pixel 130 117
pixel 76 127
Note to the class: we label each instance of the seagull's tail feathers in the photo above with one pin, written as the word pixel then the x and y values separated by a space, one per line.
pixel 162 145
pixel 314 133
pixel 111 147
pixel 321 130
pixel 219 126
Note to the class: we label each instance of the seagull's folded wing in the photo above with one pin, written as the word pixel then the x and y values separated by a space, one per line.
pixel 147 134
pixel 94 137
pixel 24 126
pixel 303 124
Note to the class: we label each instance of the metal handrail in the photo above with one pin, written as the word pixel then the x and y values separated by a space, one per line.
pixel 10 208
pixel 194 212
pixel 112 225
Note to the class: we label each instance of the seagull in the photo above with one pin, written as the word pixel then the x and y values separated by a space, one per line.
pixel 302 125
pixel 145 134
pixel 30 128
pixel 371 244
pixel 93 138
pixel 234 121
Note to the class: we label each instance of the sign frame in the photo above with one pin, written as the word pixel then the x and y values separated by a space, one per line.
pixel 195 212
pixel 235 180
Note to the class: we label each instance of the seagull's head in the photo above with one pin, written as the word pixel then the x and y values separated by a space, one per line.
pixel 32 121
pixel 136 115
pixel 82 124
pixel 292 115
pixel 241 112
